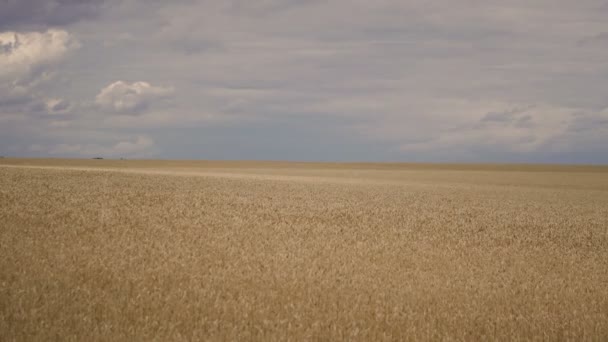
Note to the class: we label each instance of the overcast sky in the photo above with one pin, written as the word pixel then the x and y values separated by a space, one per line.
pixel 329 80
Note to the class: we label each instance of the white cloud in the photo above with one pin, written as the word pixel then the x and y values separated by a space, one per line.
pixel 27 62
pixel 25 56
pixel 506 127
pixel 130 147
pixel 130 98
pixel 58 106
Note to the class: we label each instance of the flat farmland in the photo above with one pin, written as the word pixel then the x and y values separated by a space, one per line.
pixel 200 250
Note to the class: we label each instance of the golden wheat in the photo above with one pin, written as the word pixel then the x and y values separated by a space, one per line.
pixel 144 250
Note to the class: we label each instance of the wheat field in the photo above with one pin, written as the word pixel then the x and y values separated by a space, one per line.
pixel 183 250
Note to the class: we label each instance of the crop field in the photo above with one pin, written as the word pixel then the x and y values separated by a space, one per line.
pixel 184 250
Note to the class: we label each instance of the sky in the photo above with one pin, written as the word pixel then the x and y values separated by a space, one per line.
pixel 317 80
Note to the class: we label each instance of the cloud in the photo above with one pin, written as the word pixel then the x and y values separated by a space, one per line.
pixel 129 148
pixel 130 98
pixel 588 123
pixel 418 80
pixel 141 146
pixel 41 14
pixel 600 39
pixel 524 130
pixel 28 61
pixel 507 116
pixel 57 106
pixel 26 56
pixel 36 107
pixel 12 96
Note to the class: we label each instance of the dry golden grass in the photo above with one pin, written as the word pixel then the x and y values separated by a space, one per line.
pixel 144 250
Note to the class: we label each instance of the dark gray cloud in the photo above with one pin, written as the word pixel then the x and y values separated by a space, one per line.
pixel 41 14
